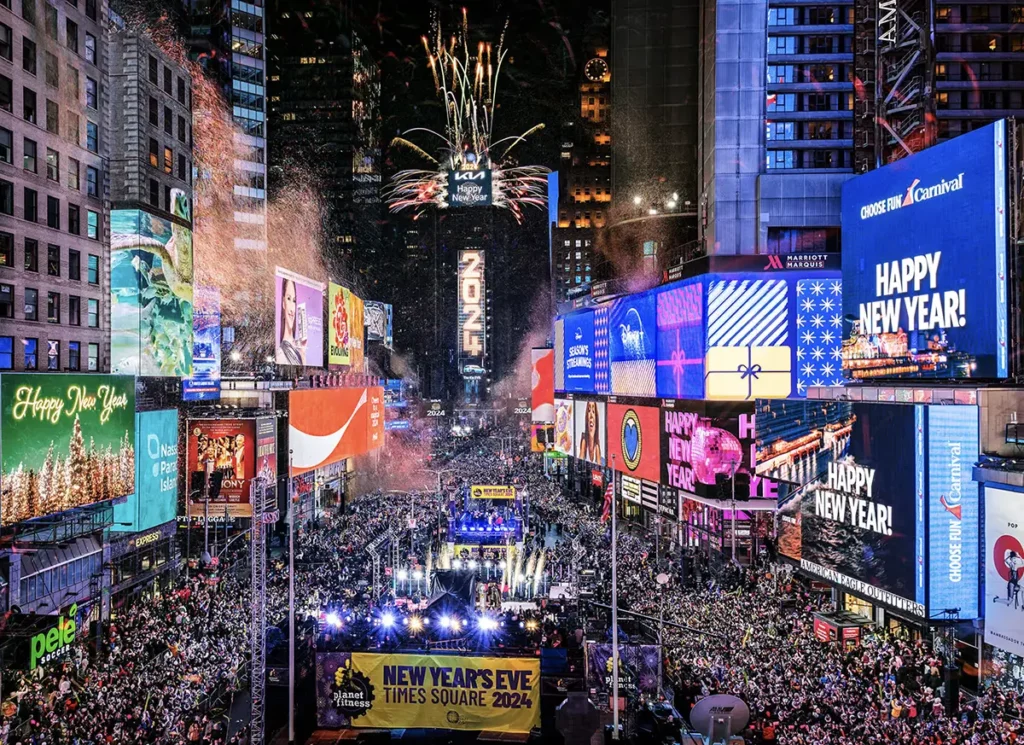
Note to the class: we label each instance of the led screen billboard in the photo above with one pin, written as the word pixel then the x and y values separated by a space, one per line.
pixel 67 441
pixel 1004 567
pixel 338 332
pixel 266 449
pixel 925 263
pixel 559 360
pixel 564 425
pixel 542 388
pixel 680 340
pixel 953 509
pixel 298 320
pixel 150 293
pixel 590 433
pixel 376 320
pixel 155 500
pixel 633 445
pixel 326 425
pixel 375 424
pixel 472 310
pixel 632 345
pixel 578 331
pixel 469 188
pixel 356 333
pixel 230 444
pixel 602 368
pixel 204 382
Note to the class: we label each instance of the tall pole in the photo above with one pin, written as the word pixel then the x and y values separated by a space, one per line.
pixel 291 604
pixel 733 540
pixel 661 598
pixel 615 611
pixel 206 508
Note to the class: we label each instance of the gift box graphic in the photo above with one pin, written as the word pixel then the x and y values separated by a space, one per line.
pixel 744 373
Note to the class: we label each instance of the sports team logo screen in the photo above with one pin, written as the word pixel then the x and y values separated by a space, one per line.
pixel 633 444
pixel 632 345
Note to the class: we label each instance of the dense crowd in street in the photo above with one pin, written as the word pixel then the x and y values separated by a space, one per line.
pixel 162 661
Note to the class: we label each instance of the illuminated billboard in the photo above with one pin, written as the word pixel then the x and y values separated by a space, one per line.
pixel 680 340
pixel 472 311
pixel 377 319
pixel 230 445
pixel 564 426
pixel 204 383
pixel 356 332
pixel 298 320
pixel 633 443
pixel 150 294
pixel 591 443
pixel 632 345
pixel 602 369
pixel 155 500
pixel 925 263
pixel 327 425
pixel 338 329
pixel 1004 567
pixel 68 441
pixel 578 331
pixel 375 424
pixel 559 358
pixel 542 389
pixel 469 188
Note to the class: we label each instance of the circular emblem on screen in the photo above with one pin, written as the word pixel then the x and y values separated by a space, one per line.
pixel 452 717
pixel 632 439
pixel 477 492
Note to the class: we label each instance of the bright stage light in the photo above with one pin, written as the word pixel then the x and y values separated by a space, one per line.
pixel 334 620
pixel 502 564
pixel 486 623
pixel 387 620
pixel 472 564
pixel 446 623
pixel 403 575
pixel 417 575
pixel 487 563
pixel 531 625
pixel 415 624
pixel 457 564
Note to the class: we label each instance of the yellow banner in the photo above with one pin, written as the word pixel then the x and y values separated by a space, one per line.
pixel 444 692
pixel 481 491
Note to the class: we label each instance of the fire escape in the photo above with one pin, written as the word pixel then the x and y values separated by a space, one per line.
pixel 864 85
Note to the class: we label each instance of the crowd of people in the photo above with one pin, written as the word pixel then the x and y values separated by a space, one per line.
pixel 163 662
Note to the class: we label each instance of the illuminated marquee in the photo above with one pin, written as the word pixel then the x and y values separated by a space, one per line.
pixel 472 316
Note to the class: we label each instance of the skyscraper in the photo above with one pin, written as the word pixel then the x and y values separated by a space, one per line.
pixel 54 237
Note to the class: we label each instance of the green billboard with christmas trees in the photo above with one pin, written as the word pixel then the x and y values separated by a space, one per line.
pixel 67 441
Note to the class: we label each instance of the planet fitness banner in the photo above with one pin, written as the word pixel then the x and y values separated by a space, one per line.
pixel 399 691
pixel 638 668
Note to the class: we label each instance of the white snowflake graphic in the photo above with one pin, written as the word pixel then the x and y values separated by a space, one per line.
pixel 828 305
pixel 836 288
pixel 837 321
pixel 818 287
pixel 807 304
pixel 827 337
pixel 818 353
pixel 807 370
pixel 827 369
pixel 817 321
pixel 808 337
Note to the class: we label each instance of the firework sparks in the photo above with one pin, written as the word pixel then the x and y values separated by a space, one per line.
pixel 467 85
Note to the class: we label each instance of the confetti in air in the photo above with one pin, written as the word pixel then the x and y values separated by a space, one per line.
pixel 467 85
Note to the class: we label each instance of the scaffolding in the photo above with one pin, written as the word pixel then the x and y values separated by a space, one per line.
pixel 263 501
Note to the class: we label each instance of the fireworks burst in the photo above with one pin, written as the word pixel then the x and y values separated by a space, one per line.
pixel 467 85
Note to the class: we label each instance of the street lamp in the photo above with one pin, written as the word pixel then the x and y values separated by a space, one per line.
pixel 615 612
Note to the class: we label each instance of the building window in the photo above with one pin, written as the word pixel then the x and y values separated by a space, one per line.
pixel 72 128
pixel 92 181
pixel 72 35
pixel 31 255
pixel 167 81
pixel 52 117
pixel 28 11
pixel 803 240
pixel 28 55
pixel 53 212
pixel 181 129
pixel 51 21
pixel 74 219
pixel 781 45
pixel 52 164
pixel 94 357
pixel 50 69
pixel 153 73
pixel 31 306
pixel 73 81
pixel 91 93
pixel 29 159
pixel 780 131
pixel 6 352
pixel 74 355
pixel 31 347
pixel 780 73
pixel 6 197
pixel 6 249
pixel 780 159
pixel 781 16
pixel 73 174
pixel 781 102
pixel 819 131
pixel 168 121
pixel 92 225
pixel 92 137
pixel 154 153
pixel 53 260
pixel 181 166
pixel 6 94
pixel 94 269
pixel 6 301
pixel 90 48
pixel 74 265
pixel 52 355
pixel 181 91
pixel 53 307
pixel 820 45
pixel 31 205
pixel 6 42
pixel 94 313
pixel 6 146
pixel 154 112
pixel 168 160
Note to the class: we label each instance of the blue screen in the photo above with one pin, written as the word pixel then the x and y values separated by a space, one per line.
pixel 579 352
pixel 155 501
pixel 953 512
pixel 632 345
pixel 680 340
pixel 924 263
pixel 204 383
